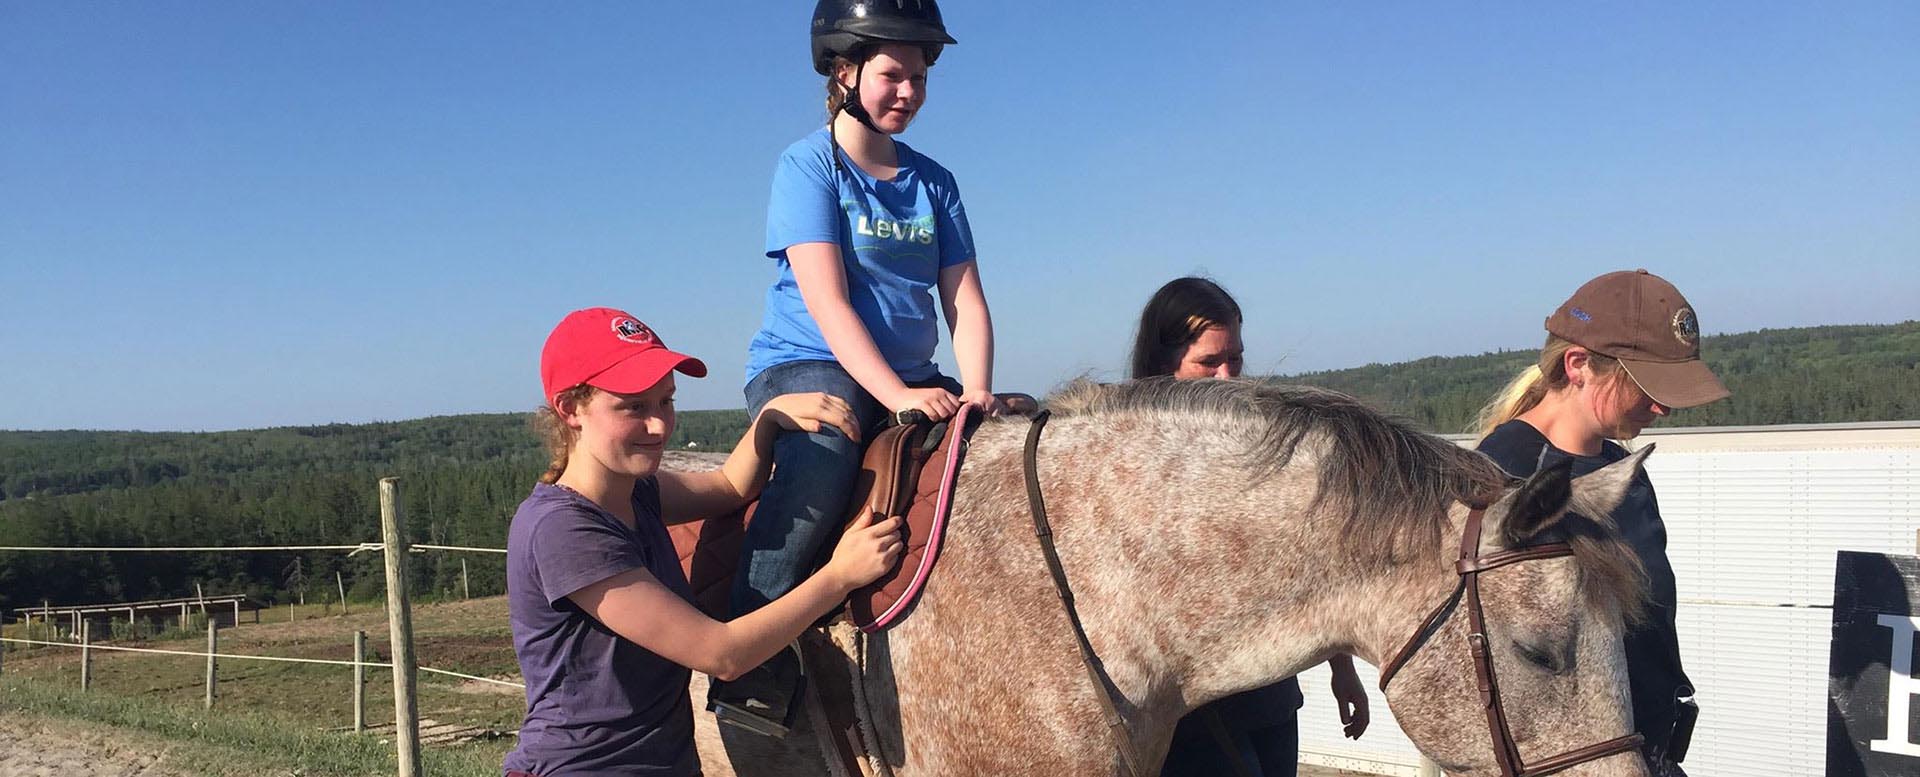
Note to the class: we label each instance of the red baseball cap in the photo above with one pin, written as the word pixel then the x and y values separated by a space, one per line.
pixel 610 350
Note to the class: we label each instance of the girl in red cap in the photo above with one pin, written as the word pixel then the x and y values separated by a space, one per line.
pixel 1620 354
pixel 863 230
pixel 603 624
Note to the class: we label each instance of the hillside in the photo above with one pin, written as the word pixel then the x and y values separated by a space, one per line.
pixel 463 475
pixel 1825 374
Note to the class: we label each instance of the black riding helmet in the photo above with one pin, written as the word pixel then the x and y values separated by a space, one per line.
pixel 842 26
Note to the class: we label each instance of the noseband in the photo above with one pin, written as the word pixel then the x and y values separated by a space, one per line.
pixel 1469 567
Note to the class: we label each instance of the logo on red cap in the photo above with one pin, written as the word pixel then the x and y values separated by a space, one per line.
pixel 633 331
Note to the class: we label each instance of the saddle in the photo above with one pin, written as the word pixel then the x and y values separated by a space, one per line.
pixel 907 470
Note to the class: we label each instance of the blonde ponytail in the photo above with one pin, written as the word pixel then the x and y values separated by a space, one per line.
pixel 1520 395
pixel 1532 385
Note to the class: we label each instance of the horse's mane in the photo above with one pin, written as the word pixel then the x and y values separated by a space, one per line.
pixel 1392 483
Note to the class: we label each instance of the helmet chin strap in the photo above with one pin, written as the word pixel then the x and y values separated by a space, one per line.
pixel 851 106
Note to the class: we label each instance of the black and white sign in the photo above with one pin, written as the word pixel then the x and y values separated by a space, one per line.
pixel 1873 713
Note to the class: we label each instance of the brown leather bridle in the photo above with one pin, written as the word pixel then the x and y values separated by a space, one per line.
pixel 1469 566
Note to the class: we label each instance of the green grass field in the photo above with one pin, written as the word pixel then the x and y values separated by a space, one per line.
pixel 278 717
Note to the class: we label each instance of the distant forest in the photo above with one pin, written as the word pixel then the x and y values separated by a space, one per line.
pixel 462 476
pixel 1825 374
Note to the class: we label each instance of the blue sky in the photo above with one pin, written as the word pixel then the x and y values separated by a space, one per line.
pixel 234 215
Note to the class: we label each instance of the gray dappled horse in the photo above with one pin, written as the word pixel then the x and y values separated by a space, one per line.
pixel 1220 536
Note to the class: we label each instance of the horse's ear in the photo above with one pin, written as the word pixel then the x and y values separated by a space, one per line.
pixel 1595 495
pixel 1538 503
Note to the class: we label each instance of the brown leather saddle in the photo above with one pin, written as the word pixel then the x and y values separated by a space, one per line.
pixel 901 474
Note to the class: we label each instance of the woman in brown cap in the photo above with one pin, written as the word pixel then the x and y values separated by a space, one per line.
pixel 1621 353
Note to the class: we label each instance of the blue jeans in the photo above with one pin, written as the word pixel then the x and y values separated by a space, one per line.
pixel 806 501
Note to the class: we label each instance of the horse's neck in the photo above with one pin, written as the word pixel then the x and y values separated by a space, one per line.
pixel 1195 583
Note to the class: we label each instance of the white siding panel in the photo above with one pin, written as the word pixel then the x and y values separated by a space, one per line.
pixel 1762 527
pixel 1762 674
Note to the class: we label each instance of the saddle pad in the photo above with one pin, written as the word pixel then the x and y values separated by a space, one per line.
pixel 709 550
pixel 929 500
pixel 891 481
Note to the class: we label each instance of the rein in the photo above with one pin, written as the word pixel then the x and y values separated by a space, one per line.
pixel 1469 566
pixel 1116 725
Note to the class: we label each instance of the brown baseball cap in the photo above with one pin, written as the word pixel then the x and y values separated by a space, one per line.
pixel 1641 319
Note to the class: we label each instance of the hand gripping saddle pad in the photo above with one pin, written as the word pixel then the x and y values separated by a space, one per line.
pixel 908 470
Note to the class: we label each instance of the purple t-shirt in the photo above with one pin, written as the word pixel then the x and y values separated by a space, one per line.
pixel 596 703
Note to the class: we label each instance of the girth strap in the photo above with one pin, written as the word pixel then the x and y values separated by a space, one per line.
pixel 1116 725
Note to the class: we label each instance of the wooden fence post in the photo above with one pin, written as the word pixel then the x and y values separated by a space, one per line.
pixel 359 681
pixel 466 591
pixel 342 585
pixel 406 710
pixel 86 655
pixel 213 647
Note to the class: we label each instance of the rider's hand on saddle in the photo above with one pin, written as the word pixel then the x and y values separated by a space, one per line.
pixel 937 403
pixel 985 400
pixel 812 412
pixel 866 551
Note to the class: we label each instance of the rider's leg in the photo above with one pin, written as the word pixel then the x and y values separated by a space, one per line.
pixel 805 502
pixel 801 508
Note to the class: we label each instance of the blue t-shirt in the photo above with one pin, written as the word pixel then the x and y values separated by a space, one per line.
pixel 596 703
pixel 894 237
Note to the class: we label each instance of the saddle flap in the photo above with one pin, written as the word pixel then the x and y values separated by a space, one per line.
pixel 930 474
pixel 890 483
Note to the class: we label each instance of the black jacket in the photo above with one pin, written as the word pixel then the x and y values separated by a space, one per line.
pixel 1653 647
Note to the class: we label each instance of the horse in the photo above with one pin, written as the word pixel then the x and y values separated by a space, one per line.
pixel 1220 535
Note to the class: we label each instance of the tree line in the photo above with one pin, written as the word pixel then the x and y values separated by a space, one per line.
pixel 462 476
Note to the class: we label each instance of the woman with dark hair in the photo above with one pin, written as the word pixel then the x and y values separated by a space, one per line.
pixel 1191 329
pixel 1621 353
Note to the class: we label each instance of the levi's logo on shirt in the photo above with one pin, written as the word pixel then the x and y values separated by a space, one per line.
pixel 917 231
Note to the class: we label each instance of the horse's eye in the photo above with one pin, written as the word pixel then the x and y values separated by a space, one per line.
pixel 1541 658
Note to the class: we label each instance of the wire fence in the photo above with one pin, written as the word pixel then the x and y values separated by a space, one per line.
pixel 399 613
pixel 245 657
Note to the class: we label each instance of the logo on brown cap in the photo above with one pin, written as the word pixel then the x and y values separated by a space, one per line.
pixel 1686 327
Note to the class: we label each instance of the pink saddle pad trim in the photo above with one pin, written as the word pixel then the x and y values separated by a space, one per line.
pixel 956 437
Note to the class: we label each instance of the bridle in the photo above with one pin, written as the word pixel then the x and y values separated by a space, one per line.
pixel 1469 566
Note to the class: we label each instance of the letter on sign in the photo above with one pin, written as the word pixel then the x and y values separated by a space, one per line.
pixel 1901 687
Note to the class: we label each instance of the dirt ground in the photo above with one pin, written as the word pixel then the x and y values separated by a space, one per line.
pixel 34 747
